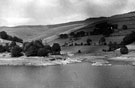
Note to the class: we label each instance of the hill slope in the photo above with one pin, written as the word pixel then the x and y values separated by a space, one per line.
pixel 32 32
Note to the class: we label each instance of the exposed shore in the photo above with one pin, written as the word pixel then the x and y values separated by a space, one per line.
pixel 98 59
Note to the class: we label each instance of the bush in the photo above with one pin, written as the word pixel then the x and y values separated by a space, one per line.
pixel 56 48
pixel 124 50
pixel 79 51
pixel 16 51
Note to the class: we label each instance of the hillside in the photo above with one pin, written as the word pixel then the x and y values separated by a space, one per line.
pixel 51 32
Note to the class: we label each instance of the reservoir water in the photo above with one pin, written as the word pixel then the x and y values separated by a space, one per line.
pixel 79 75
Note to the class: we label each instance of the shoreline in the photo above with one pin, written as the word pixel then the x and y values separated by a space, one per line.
pixel 101 59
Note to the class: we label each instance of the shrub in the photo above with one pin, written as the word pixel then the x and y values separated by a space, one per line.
pixel 16 51
pixel 124 50
pixel 79 51
pixel 56 48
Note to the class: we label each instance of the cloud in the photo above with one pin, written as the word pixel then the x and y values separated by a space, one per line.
pixel 23 12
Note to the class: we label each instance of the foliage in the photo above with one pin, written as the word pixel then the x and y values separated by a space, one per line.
pixel 124 27
pixel 38 43
pixel 128 39
pixel 102 41
pixel 12 44
pixel 16 51
pixel 56 48
pixel 5 36
pixel 42 52
pixel 124 50
pixel 113 46
pixel 2 49
pixel 79 51
pixel 103 28
pixel 7 47
pixel 63 36
pixel 17 39
pixel 89 41
pixel 31 51
pixel 72 34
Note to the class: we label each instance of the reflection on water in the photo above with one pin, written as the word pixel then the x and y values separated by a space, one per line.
pixel 80 75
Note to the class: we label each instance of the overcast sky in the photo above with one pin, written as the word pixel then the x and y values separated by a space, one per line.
pixel 36 12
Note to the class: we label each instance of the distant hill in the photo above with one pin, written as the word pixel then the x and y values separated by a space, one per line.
pixel 32 32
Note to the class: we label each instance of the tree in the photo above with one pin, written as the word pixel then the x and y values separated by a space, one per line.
pixel 26 45
pixel 124 27
pixel 128 39
pixel 17 39
pixel 89 41
pixel 124 50
pixel 42 52
pixel 56 48
pixel 3 35
pixel 2 49
pixel 48 48
pixel 63 36
pixel 16 51
pixel 7 47
pixel 31 51
pixel 12 44
pixel 72 34
pixel 103 28
pixel 102 41
pixel 38 43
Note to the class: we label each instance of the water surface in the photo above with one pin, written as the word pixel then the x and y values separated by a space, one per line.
pixel 79 75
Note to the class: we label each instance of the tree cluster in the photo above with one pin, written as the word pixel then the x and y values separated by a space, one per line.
pixel 103 28
pixel 128 39
pixel 5 36
pixel 36 48
pixel 63 36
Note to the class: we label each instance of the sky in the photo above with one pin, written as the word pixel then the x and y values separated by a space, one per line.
pixel 44 12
